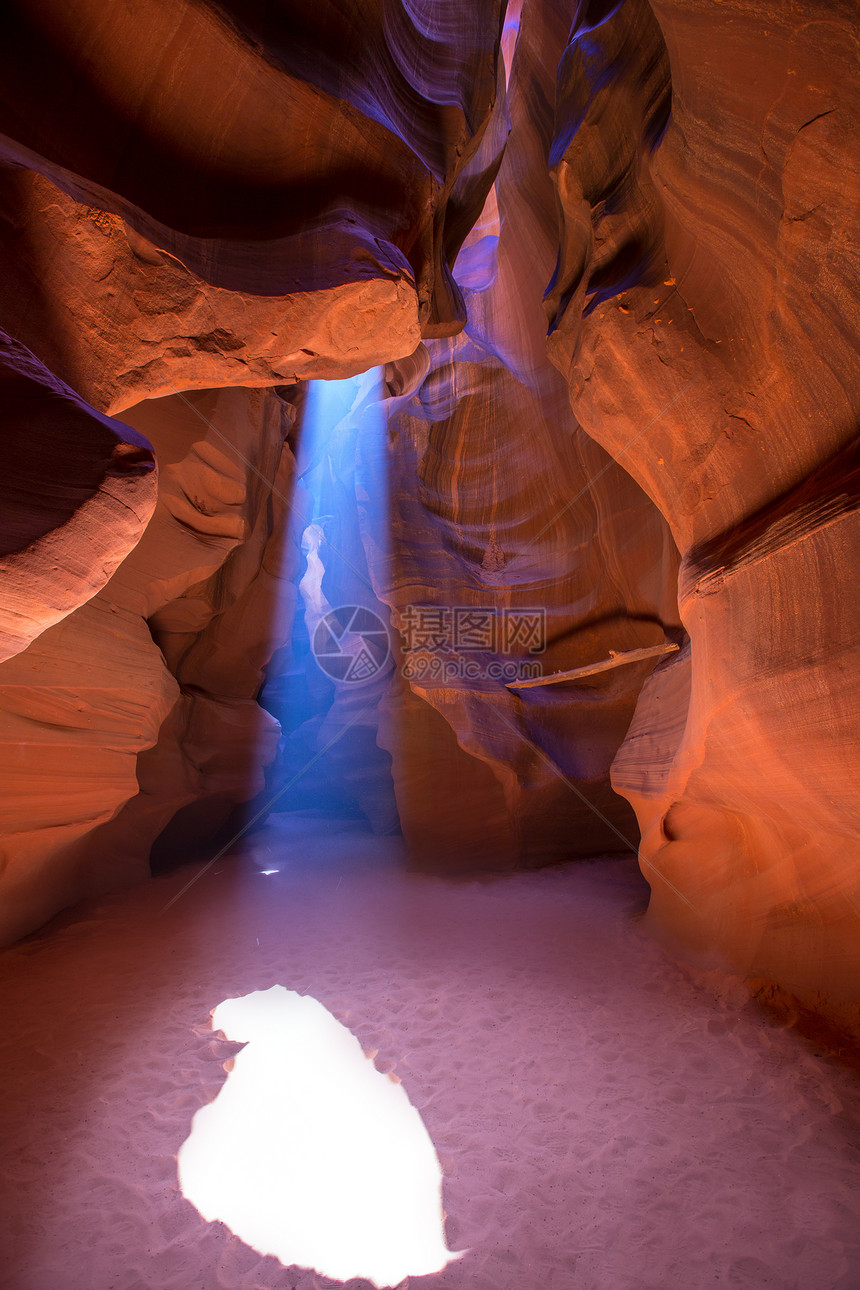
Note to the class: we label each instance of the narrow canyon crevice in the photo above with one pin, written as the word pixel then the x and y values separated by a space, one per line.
pixel 603 261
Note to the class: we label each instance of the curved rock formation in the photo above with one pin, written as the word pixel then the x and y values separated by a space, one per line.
pixel 79 489
pixel 501 537
pixel 141 704
pixel 197 196
pixel 215 194
pixel 270 151
pixel 123 319
pixel 706 314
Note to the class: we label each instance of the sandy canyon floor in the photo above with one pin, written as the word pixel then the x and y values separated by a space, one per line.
pixel 605 1119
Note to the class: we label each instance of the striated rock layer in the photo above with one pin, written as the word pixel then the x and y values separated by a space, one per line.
pixel 79 490
pixel 229 199
pixel 270 151
pixel 138 711
pixel 706 311
pixel 500 501
pixel 500 538
pixel 122 319
pixel 192 197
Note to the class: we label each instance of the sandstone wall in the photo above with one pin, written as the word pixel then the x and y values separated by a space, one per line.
pixel 227 199
pixel 192 197
pixel 705 314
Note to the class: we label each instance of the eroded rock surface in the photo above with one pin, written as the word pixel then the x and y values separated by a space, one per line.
pixel 122 319
pixel 78 488
pixel 142 703
pixel 207 196
pixel 269 150
pixel 706 315
pixel 500 538
pixel 198 197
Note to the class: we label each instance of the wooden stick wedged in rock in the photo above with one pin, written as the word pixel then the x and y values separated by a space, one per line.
pixel 616 659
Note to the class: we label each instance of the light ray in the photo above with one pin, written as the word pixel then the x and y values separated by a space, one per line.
pixel 310 1154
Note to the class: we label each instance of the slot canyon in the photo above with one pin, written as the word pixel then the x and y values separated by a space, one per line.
pixel 430 465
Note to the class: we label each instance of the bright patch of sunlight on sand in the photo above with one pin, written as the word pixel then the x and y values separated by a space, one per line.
pixel 309 1154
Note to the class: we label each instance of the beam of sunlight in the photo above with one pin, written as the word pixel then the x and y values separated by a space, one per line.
pixel 343 422
pixel 310 1154
pixel 328 679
